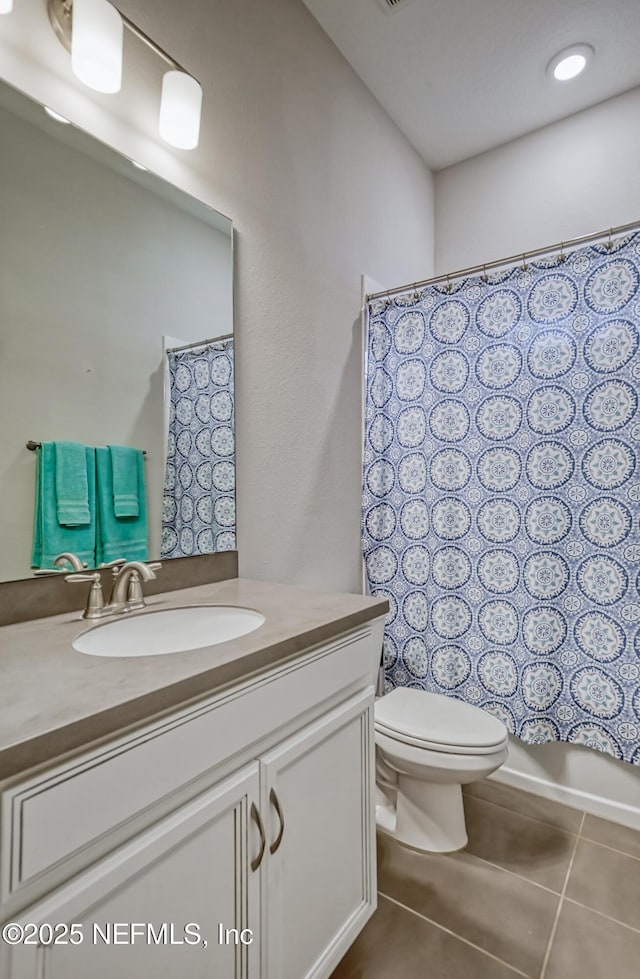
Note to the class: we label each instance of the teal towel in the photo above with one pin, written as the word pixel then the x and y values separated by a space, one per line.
pixel 119 537
pixel 124 466
pixel 72 487
pixel 49 538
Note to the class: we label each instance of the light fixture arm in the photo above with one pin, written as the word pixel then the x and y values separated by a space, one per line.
pixel 60 15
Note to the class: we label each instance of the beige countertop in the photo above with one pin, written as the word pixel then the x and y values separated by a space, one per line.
pixel 54 699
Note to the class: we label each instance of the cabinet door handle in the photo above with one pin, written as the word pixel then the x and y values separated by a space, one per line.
pixel 255 815
pixel 275 802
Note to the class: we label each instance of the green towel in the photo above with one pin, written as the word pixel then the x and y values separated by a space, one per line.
pixel 49 538
pixel 124 466
pixel 119 537
pixel 71 485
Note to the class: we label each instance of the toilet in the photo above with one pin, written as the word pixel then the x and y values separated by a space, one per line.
pixel 427 747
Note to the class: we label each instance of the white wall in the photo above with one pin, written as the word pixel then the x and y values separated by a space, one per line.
pixel 321 187
pixel 578 176
pixel 575 177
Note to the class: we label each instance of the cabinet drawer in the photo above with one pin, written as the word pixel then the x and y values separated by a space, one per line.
pixel 66 809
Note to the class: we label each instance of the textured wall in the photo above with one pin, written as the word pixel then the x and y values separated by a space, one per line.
pixel 322 187
pixel 569 179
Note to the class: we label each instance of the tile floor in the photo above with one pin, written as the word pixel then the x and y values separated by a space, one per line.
pixel 541 891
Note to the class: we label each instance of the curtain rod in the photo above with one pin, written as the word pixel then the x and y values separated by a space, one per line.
pixel 199 343
pixel 462 273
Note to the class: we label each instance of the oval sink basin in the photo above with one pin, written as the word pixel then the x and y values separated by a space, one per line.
pixel 173 630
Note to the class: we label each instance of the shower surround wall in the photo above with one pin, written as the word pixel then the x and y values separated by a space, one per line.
pixel 553 184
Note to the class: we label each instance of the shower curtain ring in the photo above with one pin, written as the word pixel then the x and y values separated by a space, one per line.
pixel 484 276
pixel 448 286
pixel 524 265
pixel 562 257
pixel 609 244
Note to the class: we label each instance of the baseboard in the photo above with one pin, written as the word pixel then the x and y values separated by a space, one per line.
pixel 596 805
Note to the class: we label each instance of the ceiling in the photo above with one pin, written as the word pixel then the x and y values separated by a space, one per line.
pixel 462 76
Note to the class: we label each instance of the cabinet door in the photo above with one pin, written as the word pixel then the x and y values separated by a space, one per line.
pixel 319 872
pixel 192 868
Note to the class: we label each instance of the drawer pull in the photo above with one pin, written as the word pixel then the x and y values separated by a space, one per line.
pixel 255 815
pixel 275 802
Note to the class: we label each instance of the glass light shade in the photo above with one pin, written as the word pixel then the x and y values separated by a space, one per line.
pixel 96 45
pixel 6 6
pixel 180 107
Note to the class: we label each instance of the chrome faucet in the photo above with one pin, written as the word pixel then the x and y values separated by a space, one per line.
pixel 126 595
pixel 59 563
pixel 72 559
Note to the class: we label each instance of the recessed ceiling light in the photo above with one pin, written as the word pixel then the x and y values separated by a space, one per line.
pixel 56 115
pixel 570 62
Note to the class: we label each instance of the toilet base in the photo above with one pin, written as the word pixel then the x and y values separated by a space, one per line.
pixel 429 816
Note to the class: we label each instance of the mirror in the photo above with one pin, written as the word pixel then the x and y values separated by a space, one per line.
pixel 103 266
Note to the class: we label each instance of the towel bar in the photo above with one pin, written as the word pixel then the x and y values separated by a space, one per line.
pixel 32 446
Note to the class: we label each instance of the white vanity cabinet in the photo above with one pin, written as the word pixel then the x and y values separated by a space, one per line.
pixel 320 869
pixel 189 868
pixel 234 839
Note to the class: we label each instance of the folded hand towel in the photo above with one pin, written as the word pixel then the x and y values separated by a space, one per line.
pixel 119 537
pixel 49 537
pixel 71 485
pixel 124 467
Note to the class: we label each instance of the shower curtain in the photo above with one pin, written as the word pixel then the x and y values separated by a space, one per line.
pixel 199 510
pixel 501 492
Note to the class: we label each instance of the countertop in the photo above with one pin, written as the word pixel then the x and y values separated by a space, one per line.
pixel 54 699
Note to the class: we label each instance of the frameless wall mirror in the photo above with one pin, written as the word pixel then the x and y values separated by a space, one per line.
pixel 105 267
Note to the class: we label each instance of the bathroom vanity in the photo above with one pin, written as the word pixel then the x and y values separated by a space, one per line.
pixel 207 813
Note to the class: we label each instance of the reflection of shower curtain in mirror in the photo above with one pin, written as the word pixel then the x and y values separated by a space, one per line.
pixel 199 513
pixel 500 511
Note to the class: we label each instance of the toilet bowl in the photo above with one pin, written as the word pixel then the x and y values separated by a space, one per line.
pixel 427 747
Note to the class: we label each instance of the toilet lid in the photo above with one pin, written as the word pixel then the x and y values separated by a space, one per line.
pixel 418 717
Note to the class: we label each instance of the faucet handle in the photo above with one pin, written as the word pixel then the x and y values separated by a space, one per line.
pixel 154 566
pixel 95 601
pixel 41 572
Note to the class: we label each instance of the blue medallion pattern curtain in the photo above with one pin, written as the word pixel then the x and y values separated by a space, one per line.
pixel 501 492
pixel 199 510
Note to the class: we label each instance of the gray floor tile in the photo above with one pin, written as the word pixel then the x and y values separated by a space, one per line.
pixel 527 804
pixel 506 916
pixel 398 945
pixel 525 846
pixel 606 881
pixel 612 834
pixel 587 946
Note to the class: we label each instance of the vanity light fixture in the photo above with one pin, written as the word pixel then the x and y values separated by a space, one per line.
pixel 570 62
pixel 180 107
pixel 6 6
pixel 55 115
pixel 93 31
pixel 97 36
